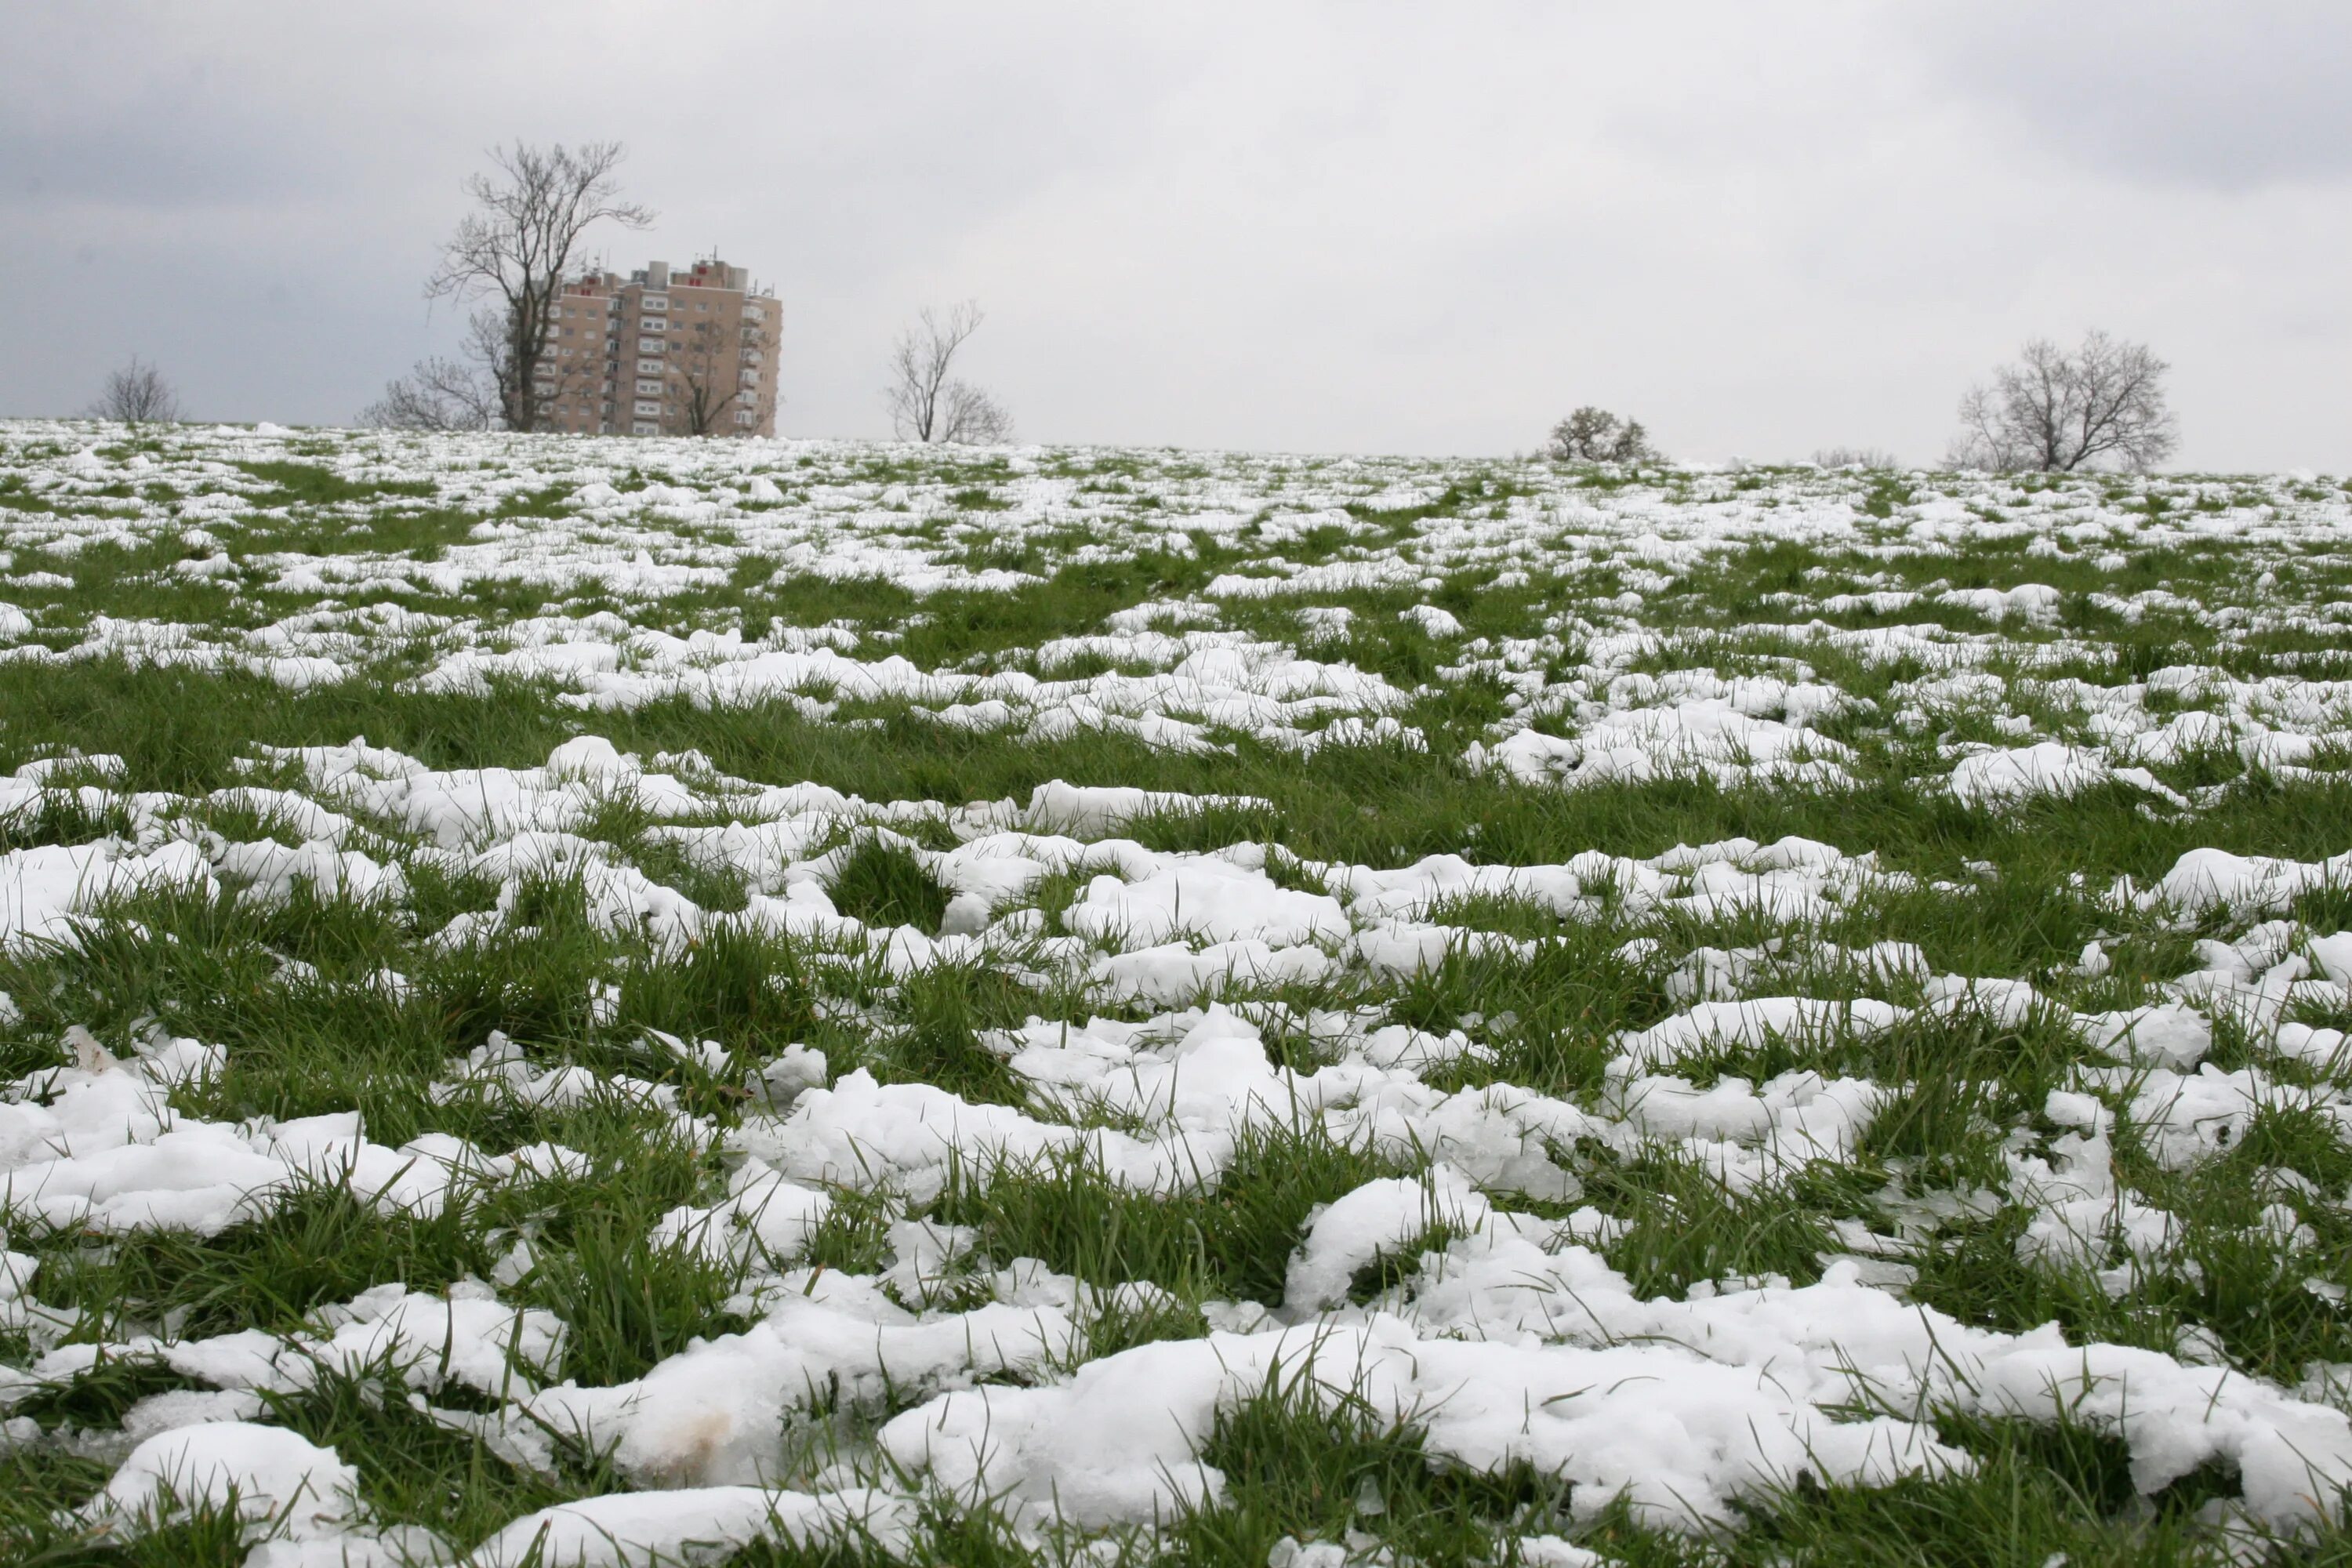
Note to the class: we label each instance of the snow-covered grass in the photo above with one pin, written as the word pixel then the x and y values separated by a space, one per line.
pixel 820 1003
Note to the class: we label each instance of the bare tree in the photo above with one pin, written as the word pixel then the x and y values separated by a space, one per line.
pixel 438 395
pixel 2054 411
pixel 971 417
pixel 1596 435
pixel 514 251
pixel 137 394
pixel 1855 457
pixel 709 378
pixel 926 403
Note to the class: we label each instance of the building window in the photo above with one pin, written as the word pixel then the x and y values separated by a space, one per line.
pixel 648 408
pixel 745 416
pixel 645 427
pixel 653 302
pixel 649 367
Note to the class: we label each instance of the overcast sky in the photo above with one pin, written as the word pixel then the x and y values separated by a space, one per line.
pixel 1761 228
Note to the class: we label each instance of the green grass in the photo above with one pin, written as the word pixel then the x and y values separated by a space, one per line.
pixel 1229 1239
pixel 1571 586
pixel 883 884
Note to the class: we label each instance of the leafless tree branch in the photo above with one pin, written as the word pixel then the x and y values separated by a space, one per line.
pixel 2054 411
pixel 137 394
pixel 438 395
pixel 710 380
pixel 514 250
pixel 1855 457
pixel 971 417
pixel 926 403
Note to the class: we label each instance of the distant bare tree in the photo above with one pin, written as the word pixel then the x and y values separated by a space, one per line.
pixel 1855 457
pixel 1596 435
pixel 514 252
pixel 137 394
pixel 438 395
pixel 971 417
pixel 707 380
pixel 928 405
pixel 2054 411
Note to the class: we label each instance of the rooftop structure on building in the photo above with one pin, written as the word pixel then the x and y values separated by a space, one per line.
pixel 662 353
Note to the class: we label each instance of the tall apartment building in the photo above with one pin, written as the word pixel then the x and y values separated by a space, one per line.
pixel 662 353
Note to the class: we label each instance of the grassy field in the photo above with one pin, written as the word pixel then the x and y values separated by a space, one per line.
pixel 648 1002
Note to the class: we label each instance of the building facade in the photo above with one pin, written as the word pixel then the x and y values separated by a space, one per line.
pixel 692 352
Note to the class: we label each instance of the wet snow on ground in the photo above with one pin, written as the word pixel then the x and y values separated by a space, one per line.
pixel 1182 1007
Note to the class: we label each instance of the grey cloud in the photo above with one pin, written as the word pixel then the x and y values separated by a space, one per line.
pixel 151 166
pixel 94 114
pixel 1364 226
pixel 2231 97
